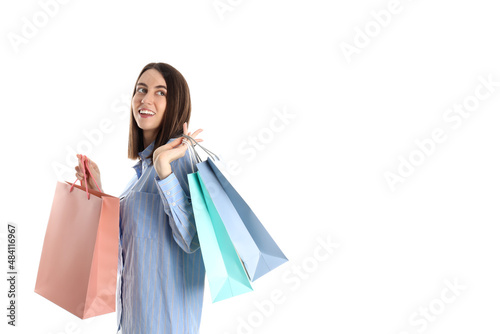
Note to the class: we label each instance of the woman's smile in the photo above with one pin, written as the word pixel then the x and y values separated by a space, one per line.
pixel 145 113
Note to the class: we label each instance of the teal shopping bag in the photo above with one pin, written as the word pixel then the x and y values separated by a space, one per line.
pixel 225 272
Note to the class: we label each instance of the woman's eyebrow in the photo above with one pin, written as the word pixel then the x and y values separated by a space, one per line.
pixel 143 84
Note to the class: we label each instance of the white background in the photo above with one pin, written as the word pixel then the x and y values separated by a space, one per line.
pixel 322 176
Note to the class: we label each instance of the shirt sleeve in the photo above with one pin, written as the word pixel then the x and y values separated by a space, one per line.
pixel 175 195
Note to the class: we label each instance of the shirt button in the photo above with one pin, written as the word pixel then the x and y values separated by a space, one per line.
pixel 168 192
pixel 173 204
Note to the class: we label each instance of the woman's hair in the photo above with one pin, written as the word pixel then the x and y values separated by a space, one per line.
pixel 177 112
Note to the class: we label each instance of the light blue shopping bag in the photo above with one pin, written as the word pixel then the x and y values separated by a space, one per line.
pixel 255 246
pixel 225 272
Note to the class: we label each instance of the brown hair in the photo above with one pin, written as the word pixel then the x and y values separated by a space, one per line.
pixel 177 112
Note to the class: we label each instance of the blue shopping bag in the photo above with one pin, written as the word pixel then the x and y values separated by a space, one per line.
pixel 255 246
pixel 225 272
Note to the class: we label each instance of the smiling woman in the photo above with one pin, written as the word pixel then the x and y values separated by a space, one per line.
pixel 160 268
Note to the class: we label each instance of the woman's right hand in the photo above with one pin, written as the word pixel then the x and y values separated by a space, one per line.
pixel 95 172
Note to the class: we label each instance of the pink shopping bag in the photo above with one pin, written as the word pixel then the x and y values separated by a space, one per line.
pixel 78 264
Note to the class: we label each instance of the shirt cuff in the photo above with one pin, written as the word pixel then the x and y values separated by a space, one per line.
pixel 171 190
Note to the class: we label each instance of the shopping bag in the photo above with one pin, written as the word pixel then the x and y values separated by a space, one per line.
pixel 257 249
pixel 78 264
pixel 225 272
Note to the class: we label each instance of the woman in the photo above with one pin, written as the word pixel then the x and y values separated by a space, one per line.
pixel 161 272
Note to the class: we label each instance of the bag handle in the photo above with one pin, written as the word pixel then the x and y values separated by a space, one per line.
pixel 190 149
pixel 85 167
pixel 195 143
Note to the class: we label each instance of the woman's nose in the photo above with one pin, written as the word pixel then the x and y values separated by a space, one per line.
pixel 147 99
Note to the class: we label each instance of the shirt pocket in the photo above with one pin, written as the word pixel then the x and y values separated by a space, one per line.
pixel 142 215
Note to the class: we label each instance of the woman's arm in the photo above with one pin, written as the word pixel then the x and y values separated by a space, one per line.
pixel 172 165
pixel 175 195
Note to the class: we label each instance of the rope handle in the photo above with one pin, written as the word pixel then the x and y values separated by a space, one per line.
pixel 195 143
pixel 85 164
pixel 191 152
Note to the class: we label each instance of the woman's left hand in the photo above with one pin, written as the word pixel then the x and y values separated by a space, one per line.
pixel 165 154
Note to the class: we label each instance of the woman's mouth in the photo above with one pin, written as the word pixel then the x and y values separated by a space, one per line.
pixel 145 113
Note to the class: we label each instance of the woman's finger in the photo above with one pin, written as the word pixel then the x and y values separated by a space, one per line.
pixel 82 162
pixel 91 164
pixel 196 132
pixel 173 143
pixel 167 146
pixel 189 141
pixel 80 165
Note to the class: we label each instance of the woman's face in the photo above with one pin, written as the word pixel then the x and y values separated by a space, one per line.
pixel 150 101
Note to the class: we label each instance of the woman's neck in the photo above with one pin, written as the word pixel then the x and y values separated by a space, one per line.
pixel 148 138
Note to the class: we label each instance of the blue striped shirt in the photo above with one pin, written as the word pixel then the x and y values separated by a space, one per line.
pixel 161 273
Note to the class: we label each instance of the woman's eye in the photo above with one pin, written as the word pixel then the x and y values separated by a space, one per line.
pixel 161 93
pixel 139 90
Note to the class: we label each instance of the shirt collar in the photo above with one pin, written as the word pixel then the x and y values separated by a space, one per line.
pixel 143 154
pixel 142 157
pixel 146 152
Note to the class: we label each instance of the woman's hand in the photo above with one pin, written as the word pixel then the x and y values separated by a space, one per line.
pixel 165 154
pixel 95 172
